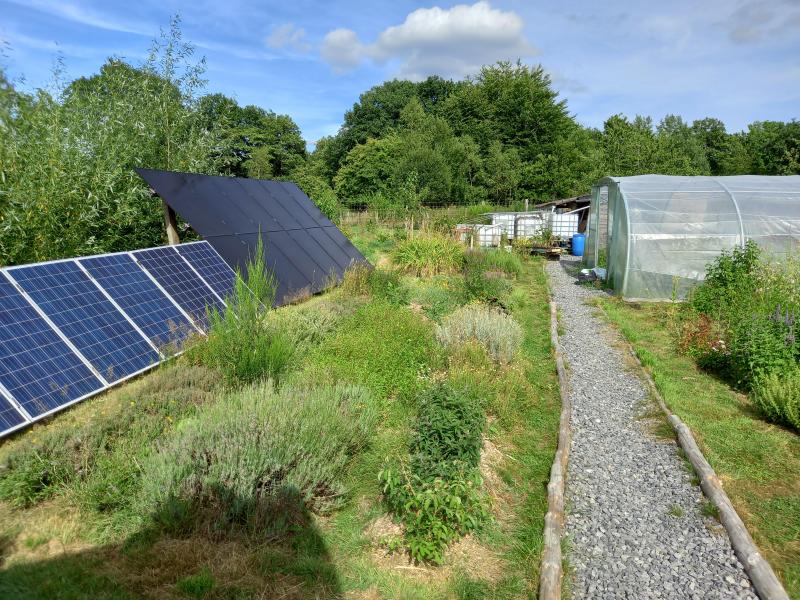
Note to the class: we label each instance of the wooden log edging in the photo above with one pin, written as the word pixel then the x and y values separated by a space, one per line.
pixel 551 572
pixel 764 580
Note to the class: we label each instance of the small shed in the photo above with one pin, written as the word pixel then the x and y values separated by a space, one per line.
pixel 662 231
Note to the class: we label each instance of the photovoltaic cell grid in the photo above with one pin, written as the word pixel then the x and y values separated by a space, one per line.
pixel 179 280
pixel 141 299
pixel 210 265
pixel 41 372
pixel 87 318
pixel 36 367
pixel 301 246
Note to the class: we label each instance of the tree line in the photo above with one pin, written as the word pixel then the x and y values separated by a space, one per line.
pixel 67 151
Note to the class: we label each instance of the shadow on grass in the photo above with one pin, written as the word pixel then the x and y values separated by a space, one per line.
pixel 187 560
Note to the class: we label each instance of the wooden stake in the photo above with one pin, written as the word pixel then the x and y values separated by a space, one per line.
pixel 171 223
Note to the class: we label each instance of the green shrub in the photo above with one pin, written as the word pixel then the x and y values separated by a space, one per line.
pixel 437 492
pixel 93 458
pixel 429 254
pixel 434 512
pixel 745 324
pixel 259 458
pixel 480 286
pixel 494 260
pixel 438 296
pixel 448 433
pixel 777 395
pixel 241 343
pixel 496 331
pixel 381 346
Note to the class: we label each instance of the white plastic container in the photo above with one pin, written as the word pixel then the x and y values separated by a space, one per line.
pixel 506 222
pixel 529 226
pixel 564 225
pixel 488 235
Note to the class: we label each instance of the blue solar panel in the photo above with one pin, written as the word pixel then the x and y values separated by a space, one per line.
pixel 176 276
pixel 140 298
pixel 87 318
pixel 210 265
pixel 10 417
pixel 36 367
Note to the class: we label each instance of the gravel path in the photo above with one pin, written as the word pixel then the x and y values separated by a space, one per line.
pixel 633 516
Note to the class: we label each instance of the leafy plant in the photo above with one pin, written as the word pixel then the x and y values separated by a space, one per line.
pixel 777 395
pixel 493 260
pixel 496 331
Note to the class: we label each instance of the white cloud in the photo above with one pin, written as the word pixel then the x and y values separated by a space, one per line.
pixel 452 42
pixel 342 50
pixel 757 20
pixel 288 36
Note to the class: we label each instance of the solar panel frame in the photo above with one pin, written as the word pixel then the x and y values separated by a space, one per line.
pixel 210 266
pixel 9 408
pixel 154 261
pixel 114 347
pixel 148 307
pixel 40 329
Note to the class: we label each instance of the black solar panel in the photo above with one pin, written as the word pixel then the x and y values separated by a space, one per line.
pixel 181 282
pixel 305 250
pixel 36 366
pixel 87 318
pixel 209 264
pixel 141 299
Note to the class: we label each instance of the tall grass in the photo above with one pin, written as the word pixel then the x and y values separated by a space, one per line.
pixel 241 342
pixel 429 254
pixel 259 458
pixel 494 260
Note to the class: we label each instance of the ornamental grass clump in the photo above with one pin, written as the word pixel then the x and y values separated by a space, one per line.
pixel 429 254
pixel 493 329
pixel 259 459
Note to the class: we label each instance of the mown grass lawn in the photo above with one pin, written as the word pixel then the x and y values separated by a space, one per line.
pixel 74 524
pixel 758 462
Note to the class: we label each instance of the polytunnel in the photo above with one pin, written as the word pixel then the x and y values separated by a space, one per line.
pixel 662 231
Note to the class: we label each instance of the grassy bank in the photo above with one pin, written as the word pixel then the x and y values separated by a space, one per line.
pixel 758 462
pixel 207 480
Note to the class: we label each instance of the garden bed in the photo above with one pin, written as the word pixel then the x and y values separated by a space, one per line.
pixel 158 489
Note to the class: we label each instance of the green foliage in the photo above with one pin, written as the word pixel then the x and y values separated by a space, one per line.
pixel 428 254
pixel 258 458
pixel 496 331
pixel 486 287
pixel 198 585
pixel 93 459
pixel 384 347
pixel 748 326
pixel 68 158
pixel 384 284
pixel 777 395
pixel 448 433
pixel 241 341
pixel 437 493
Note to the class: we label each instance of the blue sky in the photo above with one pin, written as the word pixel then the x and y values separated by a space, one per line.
pixel 738 60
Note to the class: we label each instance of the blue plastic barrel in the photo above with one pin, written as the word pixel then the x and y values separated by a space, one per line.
pixel 578 241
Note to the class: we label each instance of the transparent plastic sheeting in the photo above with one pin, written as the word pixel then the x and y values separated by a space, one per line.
pixel 72 328
pixel 663 231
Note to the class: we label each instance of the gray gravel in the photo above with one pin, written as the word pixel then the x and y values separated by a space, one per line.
pixel 634 524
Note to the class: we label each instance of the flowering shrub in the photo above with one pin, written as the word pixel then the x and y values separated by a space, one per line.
pixel 746 324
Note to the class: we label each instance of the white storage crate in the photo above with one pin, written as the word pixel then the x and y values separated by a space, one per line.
pixel 564 225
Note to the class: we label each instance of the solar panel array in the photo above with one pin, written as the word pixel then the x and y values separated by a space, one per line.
pixel 301 246
pixel 72 328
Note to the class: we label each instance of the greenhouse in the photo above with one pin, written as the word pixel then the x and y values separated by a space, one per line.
pixel 662 231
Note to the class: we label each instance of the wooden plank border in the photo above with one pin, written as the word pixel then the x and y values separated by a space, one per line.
pixel 551 571
pixel 758 569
